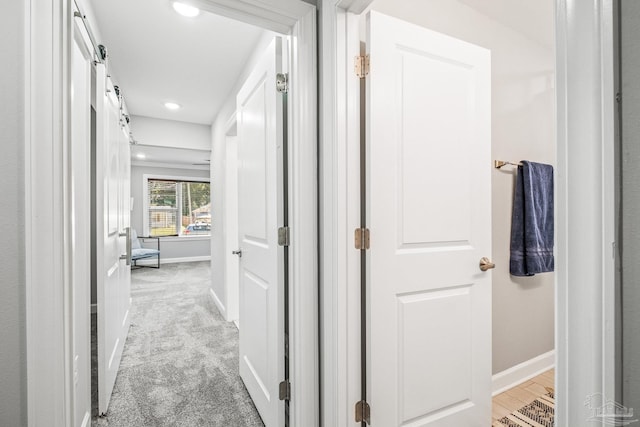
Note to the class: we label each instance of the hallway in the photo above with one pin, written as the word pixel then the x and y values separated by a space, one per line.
pixel 180 362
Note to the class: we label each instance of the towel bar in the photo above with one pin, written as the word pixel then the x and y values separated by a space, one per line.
pixel 500 163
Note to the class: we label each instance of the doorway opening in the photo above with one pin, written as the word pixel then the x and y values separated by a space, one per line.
pixel 521 124
pixel 165 177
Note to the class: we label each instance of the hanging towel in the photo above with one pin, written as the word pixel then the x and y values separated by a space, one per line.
pixel 532 220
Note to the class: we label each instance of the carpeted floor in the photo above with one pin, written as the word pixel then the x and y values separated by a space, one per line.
pixel 180 362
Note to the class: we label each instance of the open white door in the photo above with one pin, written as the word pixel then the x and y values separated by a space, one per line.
pixel 81 226
pixel 260 213
pixel 231 228
pixel 112 207
pixel 429 205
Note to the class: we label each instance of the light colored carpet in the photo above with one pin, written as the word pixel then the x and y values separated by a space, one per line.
pixel 180 362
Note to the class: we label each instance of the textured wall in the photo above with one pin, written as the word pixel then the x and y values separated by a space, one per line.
pixel 12 281
pixel 630 64
pixel 520 37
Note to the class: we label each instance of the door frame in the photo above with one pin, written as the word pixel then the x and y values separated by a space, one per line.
pixel 48 211
pixel 231 310
pixel 583 242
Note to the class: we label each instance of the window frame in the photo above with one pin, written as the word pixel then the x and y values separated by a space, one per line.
pixel 145 202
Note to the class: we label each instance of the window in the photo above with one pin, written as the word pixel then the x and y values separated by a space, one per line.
pixel 178 207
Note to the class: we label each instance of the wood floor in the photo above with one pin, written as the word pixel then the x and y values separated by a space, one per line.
pixel 515 398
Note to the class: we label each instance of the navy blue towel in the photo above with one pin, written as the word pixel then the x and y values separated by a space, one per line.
pixel 532 221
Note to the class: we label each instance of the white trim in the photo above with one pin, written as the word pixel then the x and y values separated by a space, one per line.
pixel 218 303
pixel 512 377
pixel 153 260
pixel 143 164
pixel 49 364
pixel 47 288
pixel 585 211
pixel 303 204
pixel 191 238
pixel 339 155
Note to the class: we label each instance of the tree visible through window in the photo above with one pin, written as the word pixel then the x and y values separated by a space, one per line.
pixel 179 208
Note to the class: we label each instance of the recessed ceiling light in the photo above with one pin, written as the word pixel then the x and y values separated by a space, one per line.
pixel 172 105
pixel 185 9
pixel 141 155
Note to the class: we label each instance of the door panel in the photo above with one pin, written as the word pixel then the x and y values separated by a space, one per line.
pixel 428 209
pixel 260 214
pixel 112 200
pixel 81 208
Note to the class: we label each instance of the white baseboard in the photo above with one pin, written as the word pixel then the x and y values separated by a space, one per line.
pixel 153 261
pixel 522 372
pixel 218 303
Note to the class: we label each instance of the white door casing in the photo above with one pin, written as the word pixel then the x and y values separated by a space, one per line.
pixel 260 202
pixel 113 273
pixel 428 209
pixel 48 309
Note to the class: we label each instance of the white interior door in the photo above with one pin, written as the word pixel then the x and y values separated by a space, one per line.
pixel 429 194
pixel 231 229
pixel 260 213
pixel 113 276
pixel 81 226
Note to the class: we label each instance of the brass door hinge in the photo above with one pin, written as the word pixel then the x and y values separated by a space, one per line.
pixel 362 66
pixel 363 412
pixel 283 236
pixel 362 240
pixel 285 390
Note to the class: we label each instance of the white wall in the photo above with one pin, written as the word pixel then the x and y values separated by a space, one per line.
pixel 218 171
pixel 523 128
pixel 170 247
pixel 170 133
pixel 13 402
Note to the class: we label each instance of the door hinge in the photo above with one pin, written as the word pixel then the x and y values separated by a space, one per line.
pixel 283 236
pixel 363 412
pixel 618 97
pixel 362 66
pixel 285 390
pixel 361 237
pixel 282 82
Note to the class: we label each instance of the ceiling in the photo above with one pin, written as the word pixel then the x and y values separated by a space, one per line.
pixel 156 55
pixel 532 18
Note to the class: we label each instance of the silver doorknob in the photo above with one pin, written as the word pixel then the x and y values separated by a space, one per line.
pixel 238 252
pixel 486 264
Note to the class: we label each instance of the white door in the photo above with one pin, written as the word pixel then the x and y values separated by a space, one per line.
pixel 260 214
pixel 113 273
pixel 81 226
pixel 231 228
pixel 429 205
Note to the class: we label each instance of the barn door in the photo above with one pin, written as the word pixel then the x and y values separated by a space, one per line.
pixel 260 214
pixel 112 229
pixel 428 193
pixel 80 158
